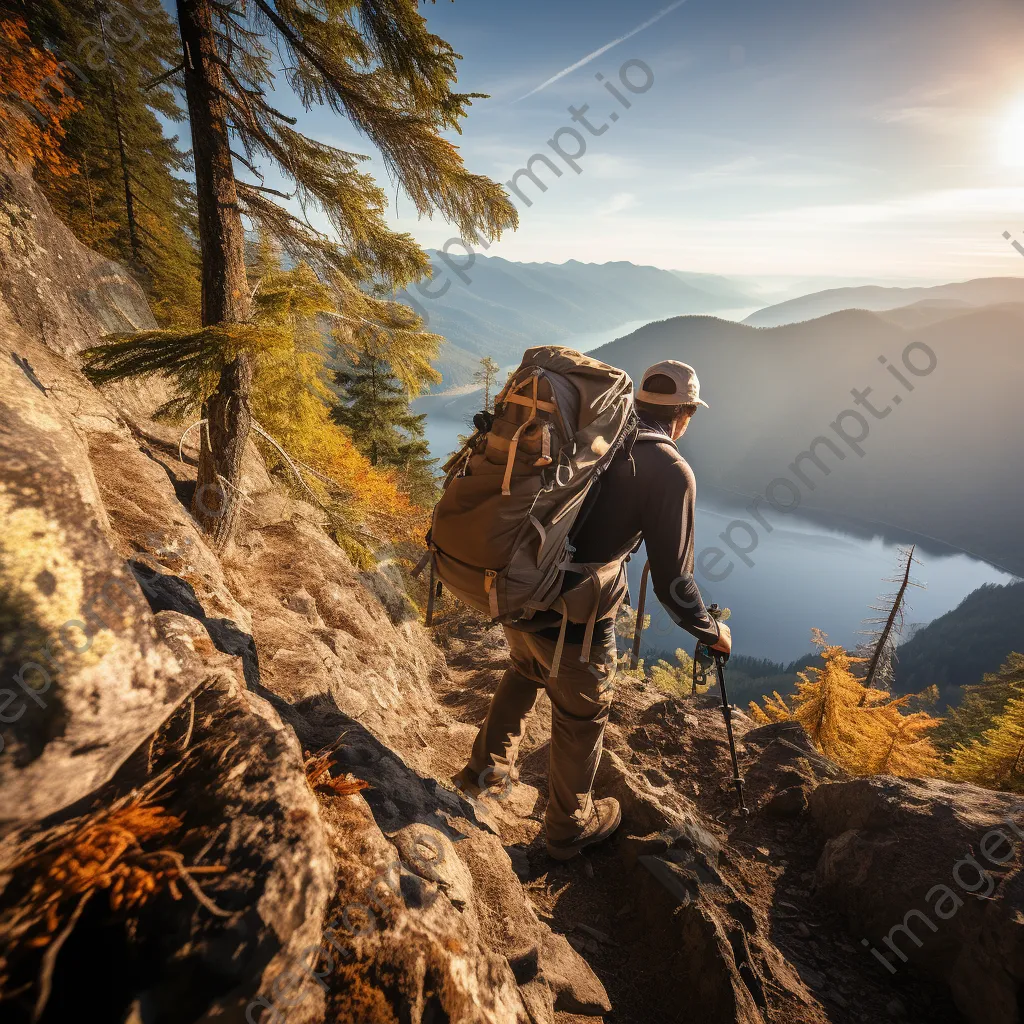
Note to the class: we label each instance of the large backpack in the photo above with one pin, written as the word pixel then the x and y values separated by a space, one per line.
pixel 501 534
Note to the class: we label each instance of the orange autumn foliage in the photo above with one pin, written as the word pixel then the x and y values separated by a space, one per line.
pixel 34 102
pixel 290 402
pixel 862 729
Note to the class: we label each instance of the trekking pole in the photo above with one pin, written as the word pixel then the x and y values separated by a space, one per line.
pixel 702 656
pixel 634 658
pixel 737 779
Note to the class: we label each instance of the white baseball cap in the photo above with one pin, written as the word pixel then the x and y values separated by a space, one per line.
pixel 687 387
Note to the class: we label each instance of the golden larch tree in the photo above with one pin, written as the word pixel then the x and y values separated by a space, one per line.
pixel 828 705
pixel 908 750
pixel 857 726
pixel 775 710
pixel 996 759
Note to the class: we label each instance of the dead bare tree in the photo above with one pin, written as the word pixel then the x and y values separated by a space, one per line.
pixel 884 631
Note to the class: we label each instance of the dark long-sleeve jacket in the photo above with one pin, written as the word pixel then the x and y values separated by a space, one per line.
pixel 649 491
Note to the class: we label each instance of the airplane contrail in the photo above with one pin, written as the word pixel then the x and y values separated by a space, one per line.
pixel 604 49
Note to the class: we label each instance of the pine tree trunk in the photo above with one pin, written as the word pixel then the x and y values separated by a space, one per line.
pixel 225 288
pixel 88 189
pixel 115 110
pixel 129 198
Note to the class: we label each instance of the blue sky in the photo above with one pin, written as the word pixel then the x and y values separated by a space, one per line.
pixel 863 139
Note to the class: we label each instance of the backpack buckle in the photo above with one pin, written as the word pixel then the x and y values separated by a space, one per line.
pixel 490 575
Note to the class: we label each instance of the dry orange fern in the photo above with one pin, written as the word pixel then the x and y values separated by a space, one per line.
pixel 99 852
pixel 318 775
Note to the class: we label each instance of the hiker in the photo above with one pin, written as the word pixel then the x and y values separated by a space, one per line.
pixel 647 492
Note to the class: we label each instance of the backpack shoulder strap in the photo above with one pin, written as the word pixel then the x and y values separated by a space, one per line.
pixel 643 433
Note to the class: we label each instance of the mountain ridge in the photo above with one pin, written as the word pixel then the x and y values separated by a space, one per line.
pixel 983 291
pixel 774 390
pixel 490 306
pixel 958 648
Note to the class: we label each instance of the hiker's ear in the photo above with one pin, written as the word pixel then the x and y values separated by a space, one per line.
pixel 680 423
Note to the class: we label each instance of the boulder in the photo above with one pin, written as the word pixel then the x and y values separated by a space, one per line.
pixel 784 767
pixel 85 675
pixel 55 289
pixel 929 873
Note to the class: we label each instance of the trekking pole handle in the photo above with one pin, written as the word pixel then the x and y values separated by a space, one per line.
pixel 716 613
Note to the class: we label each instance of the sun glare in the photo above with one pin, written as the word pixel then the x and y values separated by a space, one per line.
pixel 1011 142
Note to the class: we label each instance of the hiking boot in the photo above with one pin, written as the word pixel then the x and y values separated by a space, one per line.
pixel 606 819
pixel 472 785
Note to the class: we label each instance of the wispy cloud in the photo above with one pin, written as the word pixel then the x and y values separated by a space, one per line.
pixel 757 171
pixel 949 206
pixel 943 106
pixel 613 166
pixel 618 202
pixel 604 49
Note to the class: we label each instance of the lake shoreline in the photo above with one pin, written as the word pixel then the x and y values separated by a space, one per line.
pixel 866 529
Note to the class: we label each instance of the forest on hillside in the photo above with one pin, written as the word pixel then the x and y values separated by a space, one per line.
pixel 957 648
pixel 257 310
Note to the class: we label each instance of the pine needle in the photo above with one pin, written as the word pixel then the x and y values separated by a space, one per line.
pixel 104 851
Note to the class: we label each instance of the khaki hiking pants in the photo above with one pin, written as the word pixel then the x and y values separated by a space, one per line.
pixel 581 697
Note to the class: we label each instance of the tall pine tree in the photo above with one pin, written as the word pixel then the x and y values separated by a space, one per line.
pixel 375 63
pixel 374 408
pixel 128 199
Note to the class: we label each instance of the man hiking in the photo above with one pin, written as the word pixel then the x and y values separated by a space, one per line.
pixel 647 492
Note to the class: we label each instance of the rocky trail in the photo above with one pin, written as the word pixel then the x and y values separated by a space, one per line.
pixel 226 779
pixel 621 920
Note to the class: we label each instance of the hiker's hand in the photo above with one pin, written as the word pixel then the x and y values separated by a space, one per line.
pixel 724 639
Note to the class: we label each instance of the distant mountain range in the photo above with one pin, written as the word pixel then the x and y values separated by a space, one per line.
pixel 507 307
pixel 986 291
pixel 943 461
